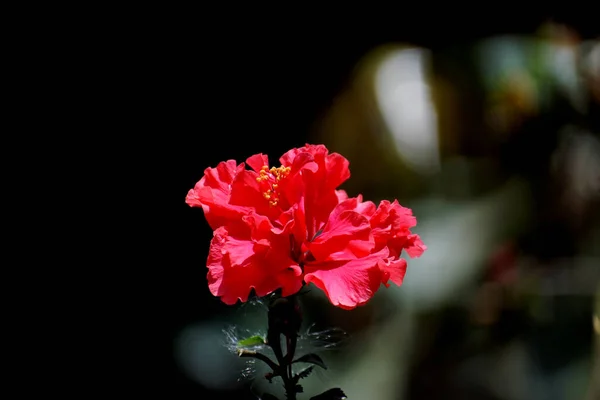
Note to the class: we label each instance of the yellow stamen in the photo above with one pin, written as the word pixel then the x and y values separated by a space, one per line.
pixel 269 179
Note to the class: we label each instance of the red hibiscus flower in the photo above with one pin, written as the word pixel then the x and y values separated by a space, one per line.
pixel 278 228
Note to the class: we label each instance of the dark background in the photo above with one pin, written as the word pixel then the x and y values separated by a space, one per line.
pixel 197 90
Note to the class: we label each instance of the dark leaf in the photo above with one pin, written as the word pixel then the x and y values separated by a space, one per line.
pixel 331 394
pixel 268 396
pixel 312 359
pixel 304 373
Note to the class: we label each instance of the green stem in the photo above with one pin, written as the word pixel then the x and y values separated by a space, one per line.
pixel 290 385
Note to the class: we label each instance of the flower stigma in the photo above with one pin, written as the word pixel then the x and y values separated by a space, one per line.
pixel 269 180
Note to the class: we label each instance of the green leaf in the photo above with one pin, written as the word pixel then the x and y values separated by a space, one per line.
pixel 311 359
pixel 251 341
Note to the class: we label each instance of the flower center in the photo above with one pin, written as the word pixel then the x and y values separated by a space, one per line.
pixel 269 181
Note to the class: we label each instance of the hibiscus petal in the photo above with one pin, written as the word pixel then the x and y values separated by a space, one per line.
pixel 366 208
pixel 213 192
pixel 221 176
pixel 259 225
pixel 248 255
pixel 337 170
pixel 303 162
pixel 216 212
pixel 415 246
pixel 239 251
pixel 257 161
pixel 393 215
pixel 232 283
pixel 289 275
pixel 315 186
pixel 402 217
pixel 298 229
pixel 356 204
pixel 341 195
pixel 347 284
pixel 224 280
pixel 392 270
pixel 341 229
